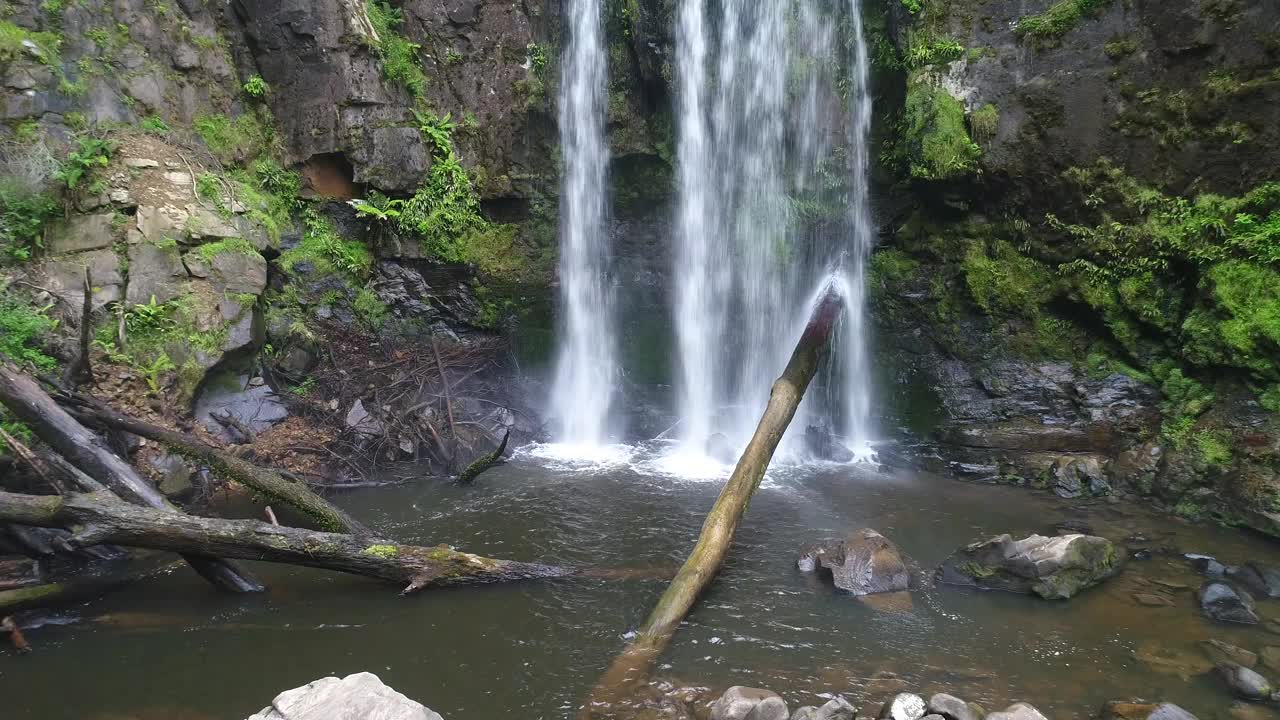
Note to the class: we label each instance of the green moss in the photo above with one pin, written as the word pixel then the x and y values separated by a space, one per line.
pixel 238 139
pixel 985 121
pixel 977 570
pixel 1270 399
pixel 399 57
pixel 1213 448
pixel 938 146
pixel 369 308
pixel 385 552
pixel 1005 282
pixel 1189 509
pixel 327 251
pixel 1047 28
pixel 212 250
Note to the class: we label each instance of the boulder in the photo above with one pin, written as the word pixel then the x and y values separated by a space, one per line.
pixel 79 233
pixel 1270 656
pixel 836 708
pixel 865 563
pixel 255 406
pixel 1206 565
pixel 822 444
pixel 1172 661
pixel 1017 711
pixel 237 272
pixel 741 703
pixel 1141 710
pixel 1054 568
pixel 154 271
pixel 951 708
pixel 1262 580
pixel 361 421
pixel 1074 477
pixel 903 706
pixel 1244 682
pixel 64 277
pixel 361 695
pixel 720 448
pixel 1220 652
pixel 1224 603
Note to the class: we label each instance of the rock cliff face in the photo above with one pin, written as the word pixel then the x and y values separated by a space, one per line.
pixel 1077 196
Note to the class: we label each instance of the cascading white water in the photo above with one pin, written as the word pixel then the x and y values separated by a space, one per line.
pixel 774 112
pixel 586 370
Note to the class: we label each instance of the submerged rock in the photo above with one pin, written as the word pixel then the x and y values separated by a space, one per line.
pixel 361 695
pixel 1224 603
pixel 1220 652
pixel 719 447
pixel 741 703
pixel 1054 568
pixel 1140 710
pixel 1259 579
pixel 1244 682
pixel 823 445
pixel 865 563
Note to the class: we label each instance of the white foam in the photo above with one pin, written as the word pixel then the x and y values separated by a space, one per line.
pixel 578 458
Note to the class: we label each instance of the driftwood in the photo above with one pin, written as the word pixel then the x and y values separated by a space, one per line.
pixel 633 665
pixel 80 371
pixel 268 483
pixel 101 517
pixel 86 451
pixel 485 462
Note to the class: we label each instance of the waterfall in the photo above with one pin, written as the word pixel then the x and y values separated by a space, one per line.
pixel 773 111
pixel 585 374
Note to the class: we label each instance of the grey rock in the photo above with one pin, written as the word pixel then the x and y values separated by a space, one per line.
pixel 1017 711
pixel 1074 477
pixel 719 448
pixel 903 706
pixel 238 272
pixel 933 717
pixel 1262 580
pixel 1270 656
pixel 79 233
pixel 161 222
pixel 1224 603
pixel 361 421
pixel 361 695
pixel 175 474
pixel 154 272
pixel 808 712
pixel 950 707
pixel 140 163
pixel 257 407
pixel 64 277
pixel 822 444
pixel 740 703
pixel 836 708
pixel 1054 568
pixel 186 57
pixel 865 563
pixel 1206 565
pixel 1245 683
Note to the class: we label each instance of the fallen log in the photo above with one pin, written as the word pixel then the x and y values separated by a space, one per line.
pixel 631 668
pixel 100 517
pixel 86 451
pixel 267 483
pixel 485 462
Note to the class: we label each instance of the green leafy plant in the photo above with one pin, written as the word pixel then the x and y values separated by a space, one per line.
pixel 21 327
pixel 256 87
pixel 150 317
pixel 152 371
pixel 1047 28
pixel 90 154
pixel 155 125
pixel 379 207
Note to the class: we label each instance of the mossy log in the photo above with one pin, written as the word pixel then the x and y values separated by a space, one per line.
pixel 631 668
pixel 87 452
pixel 485 462
pixel 270 484
pixel 101 517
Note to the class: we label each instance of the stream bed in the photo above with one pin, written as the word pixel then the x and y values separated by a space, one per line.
pixel 169 648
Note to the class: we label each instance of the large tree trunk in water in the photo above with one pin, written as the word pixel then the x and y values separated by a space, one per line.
pixel 86 451
pixel 101 517
pixel 631 668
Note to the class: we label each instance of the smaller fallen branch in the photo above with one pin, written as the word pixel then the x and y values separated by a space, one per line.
pixel 485 462
pixel 268 483
pixel 99 517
